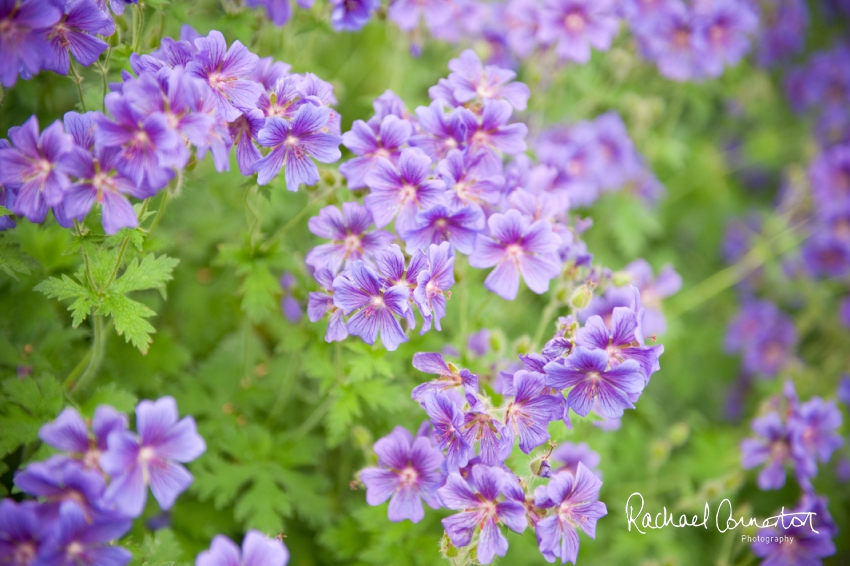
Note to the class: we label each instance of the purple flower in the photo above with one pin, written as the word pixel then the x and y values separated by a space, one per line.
pixel 528 415
pixel 813 427
pixel 469 180
pixel 351 15
pixel 390 263
pixel 289 305
pixel 243 131
pixel 450 376
pixel 495 136
pixel 152 457
pixel 370 307
pixel 479 426
pixel 447 420
pixel 672 42
pixel 22 44
pixel 576 25
pixel 808 536
pixel 478 343
pixel 623 342
pixel 606 391
pixel 78 542
pixel 36 167
pixel 370 144
pixel 471 80
pixel 783 30
pixel 76 33
pixel 826 256
pixel 722 34
pixel 278 11
pixel 293 145
pixel 407 472
pixel 257 550
pixel 570 455
pixel 437 225
pixel 442 133
pixel 226 71
pixel 478 499
pixel 432 285
pixel 319 304
pixel 577 506
pixel 517 246
pixel 70 433
pixel 652 292
pixel 406 13
pixel 148 143
pixel 404 190
pixel 619 160
pixel 350 241
pixel 772 447
pixel 21 532
pixel 61 479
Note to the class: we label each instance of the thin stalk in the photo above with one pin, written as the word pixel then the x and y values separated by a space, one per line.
pixel 548 312
pixel 86 263
pixel 103 67
pixel 96 358
pixel 78 80
pixel 314 418
pixel 75 373
pixel 163 201
pixel 308 208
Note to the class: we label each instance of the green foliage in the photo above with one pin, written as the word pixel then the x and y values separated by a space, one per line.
pixel 26 406
pixel 13 261
pixel 160 548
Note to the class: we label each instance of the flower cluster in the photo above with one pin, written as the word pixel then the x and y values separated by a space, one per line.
pixel 190 97
pixel 438 177
pixel 459 457
pixel 782 33
pixel 43 34
pixel 89 494
pixel 765 336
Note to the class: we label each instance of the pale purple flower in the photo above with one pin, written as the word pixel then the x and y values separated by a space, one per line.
pixel 226 71
pixel 36 167
pixel 70 433
pixel 76 32
pixel 407 472
pixel 349 239
pixel 21 532
pixel 622 342
pixel 449 375
pixel 243 132
pixel 807 542
pixel 652 291
pixel 575 499
pixel 607 391
pixel 480 426
pixel 153 457
pixel 479 342
pixel 469 179
pixel 320 303
pixel 289 305
pixel 257 550
pixel 814 426
pixel 442 133
pixel 573 26
pixel 528 415
pixel 480 500
pixel 433 284
pixel 370 144
pixel 75 541
pixel 22 42
pixel 438 224
pixel 522 20
pixel 352 15
pixel 471 80
pixel 278 11
pixel 771 447
pixel 619 160
pixel 294 144
pixel 371 308
pixel 406 13
pixel 783 30
pixel 494 136
pixel 568 455
pixel 517 246
pixel 402 190
pixel 62 479
pixel 447 420
pixel 673 43
pixel 723 33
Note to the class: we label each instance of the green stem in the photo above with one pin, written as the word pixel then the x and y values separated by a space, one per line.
pixel 163 201
pixel 103 66
pixel 96 358
pixel 548 312
pixel 78 80
pixel 314 418
pixel 734 274
pixel 86 263
pixel 75 373
pixel 295 219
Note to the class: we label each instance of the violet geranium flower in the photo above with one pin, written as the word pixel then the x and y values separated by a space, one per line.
pixel 447 420
pixel 370 144
pixel 404 190
pixel 70 433
pixel 449 375
pixel 528 415
pixel 480 501
pixel 257 550
pixel 772 447
pixel 407 473
pixel 153 457
pixel 36 165
pixel 294 144
pixel 76 32
pixel 370 307
pixel 320 303
pixel 470 79
pixel 80 542
pixel 595 386
pixel 22 42
pixel 439 224
pixel 349 239
pixel 576 25
pixel 21 532
pixel 517 246
pixel 577 506
pixel 432 285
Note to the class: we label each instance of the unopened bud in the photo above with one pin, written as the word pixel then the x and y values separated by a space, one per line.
pixel 621 278
pixel 581 297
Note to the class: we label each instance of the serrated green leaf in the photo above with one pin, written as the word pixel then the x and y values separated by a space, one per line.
pixel 158 549
pixel 66 288
pixel 263 505
pixel 258 291
pixel 27 405
pixel 341 414
pixel 13 260
pixel 150 273
pixel 129 317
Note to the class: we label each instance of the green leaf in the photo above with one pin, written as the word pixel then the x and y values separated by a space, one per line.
pixel 67 288
pixel 258 290
pixel 13 260
pixel 5 211
pixel 158 549
pixel 129 317
pixel 343 411
pixel 151 273
pixel 26 406
pixel 119 399
pixel 263 505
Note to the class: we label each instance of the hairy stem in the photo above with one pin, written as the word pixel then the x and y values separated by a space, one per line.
pixel 95 356
pixel 78 80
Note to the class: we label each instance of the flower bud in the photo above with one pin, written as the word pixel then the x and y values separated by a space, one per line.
pixel 581 297
pixel 621 278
